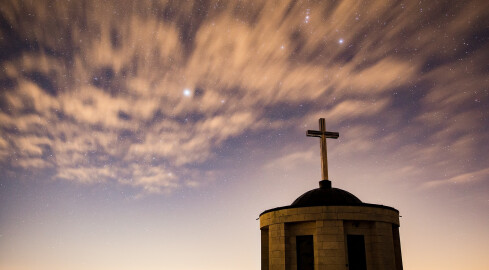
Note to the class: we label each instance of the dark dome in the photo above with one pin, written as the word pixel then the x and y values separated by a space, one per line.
pixel 326 195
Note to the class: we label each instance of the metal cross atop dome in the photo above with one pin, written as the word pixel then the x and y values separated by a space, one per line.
pixel 323 134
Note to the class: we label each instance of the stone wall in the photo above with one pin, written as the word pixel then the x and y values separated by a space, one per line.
pixel 329 226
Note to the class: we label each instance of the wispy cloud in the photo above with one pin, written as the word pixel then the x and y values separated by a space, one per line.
pixel 94 91
pixel 481 175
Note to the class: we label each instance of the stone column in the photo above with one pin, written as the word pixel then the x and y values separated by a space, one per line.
pixel 383 246
pixel 397 246
pixel 276 244
pixel 330 245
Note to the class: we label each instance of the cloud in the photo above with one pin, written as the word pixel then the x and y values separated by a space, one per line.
pixel 351 108
pixel 292 161
pixel 473 176
pixel 96 94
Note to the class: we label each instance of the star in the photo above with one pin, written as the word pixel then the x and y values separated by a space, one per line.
pixel 340 41
pixel 187 92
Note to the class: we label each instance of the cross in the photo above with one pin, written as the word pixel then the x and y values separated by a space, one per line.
pixel 323 134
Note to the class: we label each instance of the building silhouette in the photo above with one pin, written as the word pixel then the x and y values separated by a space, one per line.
pixel 331 229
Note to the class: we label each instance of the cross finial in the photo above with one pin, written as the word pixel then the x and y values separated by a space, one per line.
pixel 323 134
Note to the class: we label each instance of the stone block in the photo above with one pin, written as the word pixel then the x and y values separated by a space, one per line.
pixel 311 217
pixel 329 230
pixel 330 209
pixel 301 217
pixel 277 254
pixel 337 258
pixel 292 211
pixel 330 245
pixel 328 216
pixel 353 216
pixel 314 210
pixel 274 266
pixel 330 238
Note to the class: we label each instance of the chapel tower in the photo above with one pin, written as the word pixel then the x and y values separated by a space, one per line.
pixel 330 229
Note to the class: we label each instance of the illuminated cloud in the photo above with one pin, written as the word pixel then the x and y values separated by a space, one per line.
pixel 94 91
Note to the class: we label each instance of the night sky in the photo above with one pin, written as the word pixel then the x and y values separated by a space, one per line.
pixel 152 134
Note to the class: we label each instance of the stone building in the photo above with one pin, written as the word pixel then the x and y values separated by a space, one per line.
pixel 331 229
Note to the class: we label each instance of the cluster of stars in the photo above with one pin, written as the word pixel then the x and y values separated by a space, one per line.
pixel 308 16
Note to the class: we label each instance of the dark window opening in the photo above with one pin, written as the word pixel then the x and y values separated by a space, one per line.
pixel 305 252
pixel 356 252
pixel 264 249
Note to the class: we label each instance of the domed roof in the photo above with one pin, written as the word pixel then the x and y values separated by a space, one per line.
pixel 326 195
